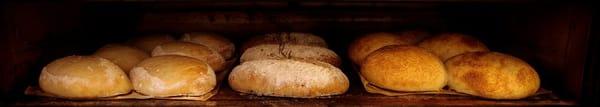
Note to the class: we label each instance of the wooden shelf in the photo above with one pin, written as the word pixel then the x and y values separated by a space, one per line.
pixel 355 96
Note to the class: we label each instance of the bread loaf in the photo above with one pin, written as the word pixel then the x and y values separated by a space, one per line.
pixel 201 52
pixel 124 56
pixel 283 51
pixel 285 38
pixel 288 78
pixel 363 46
pixel 84 77
pixel 212 41
pixel 404 68
pixel 149 42
pixel 173 75
pixel 447 45
pixel 492 75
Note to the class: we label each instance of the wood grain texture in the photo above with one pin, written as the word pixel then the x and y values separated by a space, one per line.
pixel 355 96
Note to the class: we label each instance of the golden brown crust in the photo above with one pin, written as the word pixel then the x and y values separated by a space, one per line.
pixel 149 42
pixel 297 38
pixel 492 75
pixel 84 77
pixel 447 45
pixel 404 68
pixel 363 46
pixel 173 75
pixel 201 52
pixel 213 41
pixel 124 56
pixel 288 78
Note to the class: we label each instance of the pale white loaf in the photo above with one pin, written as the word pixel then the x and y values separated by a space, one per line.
pixel 288 78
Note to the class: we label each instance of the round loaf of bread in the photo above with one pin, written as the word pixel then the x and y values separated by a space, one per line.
pixel 288 78
pixel 447 45
pixel 84 77
pixel 492 75
pixel 124 56
pixel 404 68
pixel 283 51
pixel 201 52
pixel 212 41
pixel 149 42
pixel 285 38
pixel 173 75
pixel 363 46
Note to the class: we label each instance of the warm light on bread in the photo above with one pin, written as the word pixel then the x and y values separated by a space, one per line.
pixel 124 56
pixel 84 77
pixel 213 41
pixel 173 75
pixel 291 51
pixel 201 52
pixel 149 42
pixel 492 75
pixel 364 45
pixel 447 45
pixel 297 38
pixel 288 78
pixel 404 68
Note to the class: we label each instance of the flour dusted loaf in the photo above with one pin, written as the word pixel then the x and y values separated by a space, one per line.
pixel 291 51
pixel 297 38
pixel 364 45
pixel 447 45
pixel 288 78
pixel 124 56
pixel 212 41
pixel 173 75
pixel 148 42
pixel 404 68
pixel 201 52
pixel 492 75
pixel 84 77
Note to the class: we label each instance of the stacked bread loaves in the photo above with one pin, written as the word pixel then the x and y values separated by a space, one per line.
pixel 469 66
pixel 176 68
pixel 288 65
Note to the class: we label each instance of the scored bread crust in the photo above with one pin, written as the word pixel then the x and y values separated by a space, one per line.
pixel 290 51
pixel 149 42
pixel 124 56
pixel 288 78
pixel 201 52
pixel 297 38
pixel 84 77
pixel 492 75
pixel 404 68
pixel 447 45
pixel 172 75
pixel 364 45
pixel 213 41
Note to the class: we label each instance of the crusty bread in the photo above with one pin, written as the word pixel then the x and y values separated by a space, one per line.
pixel 84 77
pixel 363 46
pixel 173 75
pixel 124 56
pixel 149 42
pixel 283 51
pixel 492 75
pixel 213 41
pixel 288 78
pixel 447 45
pixel 201 52
pixel 404 68
pixel 285 38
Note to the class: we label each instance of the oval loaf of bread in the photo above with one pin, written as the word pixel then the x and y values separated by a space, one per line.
pixel 285 38
pixel 288 78
pixel 283 51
